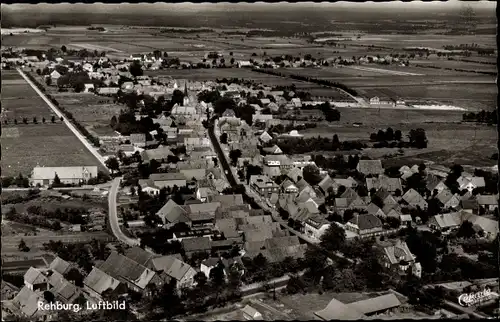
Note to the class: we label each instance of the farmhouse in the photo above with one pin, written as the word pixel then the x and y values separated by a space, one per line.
pixel 69 175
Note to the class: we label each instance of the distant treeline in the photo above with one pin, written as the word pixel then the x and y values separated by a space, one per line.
pixel 185 31
pixel 309 79
pixel 458 69
pixel 96 28
pixel 481 117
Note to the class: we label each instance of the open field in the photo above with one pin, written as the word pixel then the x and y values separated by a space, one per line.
pixel 88 109
pixel 26 145
pixel 468 96
pixel 429 40
pixel 444 63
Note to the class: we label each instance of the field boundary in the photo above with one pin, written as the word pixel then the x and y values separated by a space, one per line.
pixel 59 114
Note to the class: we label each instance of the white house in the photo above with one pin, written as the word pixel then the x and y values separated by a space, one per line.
pixel 88 88
pixel 250 313
pixel 315 227
pixel 69 175
pixel 147 186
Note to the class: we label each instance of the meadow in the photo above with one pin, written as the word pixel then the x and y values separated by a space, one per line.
pixel 24 146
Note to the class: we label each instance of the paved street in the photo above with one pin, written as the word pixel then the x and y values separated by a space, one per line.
pixel 113 215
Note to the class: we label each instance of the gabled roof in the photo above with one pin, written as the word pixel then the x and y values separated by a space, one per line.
pixel 171 266
pixel 228 200
pixel 287 184
pixel 209 207
pixel 294 173
pixel 389 184
pixel 196 244
pixel 412 197
pixel 139 255
pixel 99 281
pixel 487 200
pixel 120 266
pixel 370 167
pixel 380 303
pixel 27 301
pixel 444 196
pixel 326 183
pixel 398 250
pixel 265 137
pixel 167 176
pixel 60 265
pixel 61 287
pixel 373 209
pixel 172 213
pixel 336 310
pixel 34 276
pixel 366 221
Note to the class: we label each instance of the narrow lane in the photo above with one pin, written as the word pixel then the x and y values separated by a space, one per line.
pixel 113 215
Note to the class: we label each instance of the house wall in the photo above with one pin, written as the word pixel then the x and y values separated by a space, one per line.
pixel 188 279
pixel 170 183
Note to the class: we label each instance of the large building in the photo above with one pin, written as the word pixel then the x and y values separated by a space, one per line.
pixel 69 175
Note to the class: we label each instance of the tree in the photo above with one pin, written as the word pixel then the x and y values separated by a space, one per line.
pixel 223 138
pixel 56 180
pixel 63 49
pixel 398 135
pixel 35 121
pixel 113 164
pixel 23 247
pixel 136 69
pixel 200 279
pixel 113 122
pixel 466 230
pixel 311 174
pixel 15 121
pixel 333 239
pixel 234 155
pixel 418 139
pixel 53 119
pixel 43 120
pixel 74 275
pixel 61 119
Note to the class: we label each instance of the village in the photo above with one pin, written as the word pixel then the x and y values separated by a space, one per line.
pixel 213 198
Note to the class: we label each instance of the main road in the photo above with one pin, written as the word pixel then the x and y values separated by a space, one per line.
pixel 251 195
pixel 59 114
pixel 113 215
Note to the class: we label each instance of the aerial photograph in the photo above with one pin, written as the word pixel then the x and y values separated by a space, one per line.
pixel 249 161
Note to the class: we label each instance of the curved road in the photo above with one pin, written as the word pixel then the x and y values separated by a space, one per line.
pixel 59 114
pixel 113 215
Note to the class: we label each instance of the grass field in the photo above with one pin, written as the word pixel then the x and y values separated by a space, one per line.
pixel 88 109
pixel 26 145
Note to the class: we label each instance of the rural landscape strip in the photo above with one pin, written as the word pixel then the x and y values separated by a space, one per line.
pixel 66 121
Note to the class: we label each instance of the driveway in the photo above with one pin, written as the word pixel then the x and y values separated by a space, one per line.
pixel 113 215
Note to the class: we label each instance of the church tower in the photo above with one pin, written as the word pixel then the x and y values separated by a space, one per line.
pixel 185 101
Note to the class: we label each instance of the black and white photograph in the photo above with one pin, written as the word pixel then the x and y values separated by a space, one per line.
pixel 249 161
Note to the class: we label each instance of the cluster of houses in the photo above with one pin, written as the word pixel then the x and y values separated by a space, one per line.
pixel 134 270
pixel 302 201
